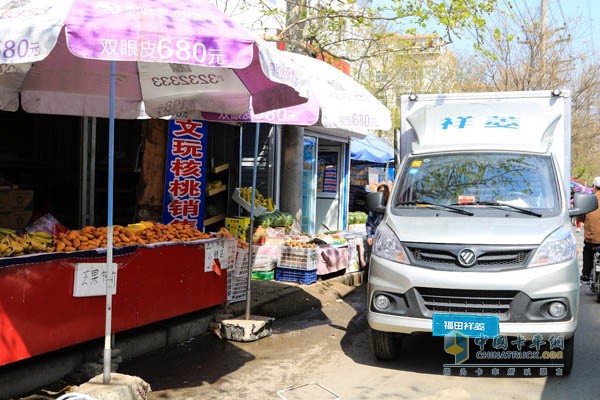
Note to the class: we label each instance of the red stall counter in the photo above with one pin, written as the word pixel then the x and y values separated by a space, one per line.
pixel 39 312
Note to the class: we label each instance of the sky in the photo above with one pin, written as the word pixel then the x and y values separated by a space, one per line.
pixel 582 15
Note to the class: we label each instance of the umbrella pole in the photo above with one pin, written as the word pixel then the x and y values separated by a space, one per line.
pixel 240 159
pixel 109 234
pixel 251 232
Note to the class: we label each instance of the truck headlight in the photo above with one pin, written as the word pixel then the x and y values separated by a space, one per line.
pixel 560 246
pixel 387 245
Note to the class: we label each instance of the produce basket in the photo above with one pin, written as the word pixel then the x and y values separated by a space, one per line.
pixel 258 209
pixel 301 258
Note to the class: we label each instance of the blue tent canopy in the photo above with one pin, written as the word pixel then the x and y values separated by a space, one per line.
pixel 373 149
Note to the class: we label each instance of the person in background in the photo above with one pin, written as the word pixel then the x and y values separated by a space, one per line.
pixel 375 218
pixel 591 241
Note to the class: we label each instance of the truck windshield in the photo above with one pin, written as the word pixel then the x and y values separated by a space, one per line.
pixel 479 180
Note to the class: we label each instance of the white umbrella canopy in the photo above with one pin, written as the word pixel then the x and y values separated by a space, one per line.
pixel 172 57
pixel 336 101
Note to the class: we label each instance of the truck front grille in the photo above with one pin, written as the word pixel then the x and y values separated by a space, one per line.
pixel 489 258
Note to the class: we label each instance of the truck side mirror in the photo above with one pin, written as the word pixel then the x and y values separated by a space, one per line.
pixel 583 203
pixel 375 202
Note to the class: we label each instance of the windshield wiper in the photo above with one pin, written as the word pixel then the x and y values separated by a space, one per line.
pixel 426 203
pixel 501 204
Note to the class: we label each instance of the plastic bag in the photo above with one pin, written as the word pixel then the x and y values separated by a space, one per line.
pixel 46 223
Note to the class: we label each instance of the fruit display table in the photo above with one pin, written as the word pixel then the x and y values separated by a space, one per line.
pixel 39 310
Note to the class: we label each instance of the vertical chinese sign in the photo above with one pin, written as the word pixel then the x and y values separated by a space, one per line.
pixel 185 177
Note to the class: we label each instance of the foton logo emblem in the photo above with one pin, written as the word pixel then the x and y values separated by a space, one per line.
pixel 466 258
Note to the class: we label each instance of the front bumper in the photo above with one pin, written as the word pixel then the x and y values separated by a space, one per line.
pixel 524 314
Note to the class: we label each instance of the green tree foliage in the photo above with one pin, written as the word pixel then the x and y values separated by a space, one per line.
pixel 331 26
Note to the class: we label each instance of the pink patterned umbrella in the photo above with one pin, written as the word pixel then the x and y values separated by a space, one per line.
pixel 172 57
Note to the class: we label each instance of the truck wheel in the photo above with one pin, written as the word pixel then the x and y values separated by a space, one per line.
pixel 386 345
pixel 568 353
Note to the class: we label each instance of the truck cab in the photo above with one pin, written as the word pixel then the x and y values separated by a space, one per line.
pixel 477 229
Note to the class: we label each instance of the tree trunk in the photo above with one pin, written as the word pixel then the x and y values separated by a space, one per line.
pixel 291 172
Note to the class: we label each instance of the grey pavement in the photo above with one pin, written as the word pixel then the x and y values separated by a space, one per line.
pixel 81 365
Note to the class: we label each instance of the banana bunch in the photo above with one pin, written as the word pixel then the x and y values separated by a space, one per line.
pixel 5 231
pixel 13 245
pixel 214 185
pixel 267 202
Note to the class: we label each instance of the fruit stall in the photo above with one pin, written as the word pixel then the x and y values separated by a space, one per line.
pixel 285 255
pixel 45 277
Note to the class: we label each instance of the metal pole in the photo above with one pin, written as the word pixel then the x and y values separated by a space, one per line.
pixel 251 232
pixel 109 234
pixel 240 160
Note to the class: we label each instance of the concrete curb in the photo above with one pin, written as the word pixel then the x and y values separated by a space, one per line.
pixel 277 300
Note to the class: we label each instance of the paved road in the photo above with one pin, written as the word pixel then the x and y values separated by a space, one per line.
pixel 328 351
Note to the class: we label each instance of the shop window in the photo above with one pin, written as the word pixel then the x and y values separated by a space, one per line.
pixel 327 173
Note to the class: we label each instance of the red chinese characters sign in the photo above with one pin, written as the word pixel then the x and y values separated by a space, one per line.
pixel 185 176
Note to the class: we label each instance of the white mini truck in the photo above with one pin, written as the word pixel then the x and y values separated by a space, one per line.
pixel 477 233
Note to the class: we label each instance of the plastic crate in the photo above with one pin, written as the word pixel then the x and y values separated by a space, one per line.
pixel 236 288
pixel 237 277
pixel 241 263
pixel 263 275
pixel 231 253
pixel 296 275
pixel 302 258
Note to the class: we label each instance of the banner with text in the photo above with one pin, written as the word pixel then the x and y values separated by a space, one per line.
pixel 185 175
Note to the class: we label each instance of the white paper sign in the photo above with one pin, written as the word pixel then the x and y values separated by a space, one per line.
pixel 214 250
pixel 90 279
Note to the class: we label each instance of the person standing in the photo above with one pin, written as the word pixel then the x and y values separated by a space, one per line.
pixel 591 229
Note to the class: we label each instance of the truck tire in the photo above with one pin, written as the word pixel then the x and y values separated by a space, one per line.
pixel 568 353
pixel 386 345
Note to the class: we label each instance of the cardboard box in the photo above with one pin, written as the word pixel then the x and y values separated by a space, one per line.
pixel 15 219
pixel 238 226
pixel 16 200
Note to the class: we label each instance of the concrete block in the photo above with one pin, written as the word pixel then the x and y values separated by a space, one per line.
pixel 121 387
pixel 246 330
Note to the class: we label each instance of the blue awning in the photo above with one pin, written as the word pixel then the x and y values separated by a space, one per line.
pixel 372 148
